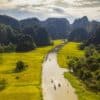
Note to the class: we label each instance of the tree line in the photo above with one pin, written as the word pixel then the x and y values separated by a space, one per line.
pixel 87 68
pixel 24 40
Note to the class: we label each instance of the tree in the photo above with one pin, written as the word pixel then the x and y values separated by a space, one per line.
pixel 90 50
pixel 42 37
pixel 88 68
pixel 25 43
pixel 39 35
pixel 6 34
pixel 20 66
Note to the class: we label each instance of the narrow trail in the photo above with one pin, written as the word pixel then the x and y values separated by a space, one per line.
pixel 54 85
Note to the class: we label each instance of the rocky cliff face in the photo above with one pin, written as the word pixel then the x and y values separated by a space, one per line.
pixel 89 26
pixel 57 27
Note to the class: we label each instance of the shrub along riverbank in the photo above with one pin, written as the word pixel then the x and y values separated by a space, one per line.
pixel 68 52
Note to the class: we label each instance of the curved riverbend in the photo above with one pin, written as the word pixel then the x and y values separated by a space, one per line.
pixel 54 85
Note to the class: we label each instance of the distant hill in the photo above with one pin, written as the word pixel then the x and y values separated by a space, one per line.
pixel 95 38
pixel 7 20
pixel 93 26
pixel 31 22
pixel 78 35
pixel 89 26
pixel 57 28
pixel 22 34
pixel 60 28
pixel 81 23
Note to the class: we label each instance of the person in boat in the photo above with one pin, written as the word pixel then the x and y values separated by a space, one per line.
pixel 59 85
pixel 51 81
pixel 54 86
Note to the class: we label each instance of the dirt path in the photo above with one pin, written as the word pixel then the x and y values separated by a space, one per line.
pixel 54 85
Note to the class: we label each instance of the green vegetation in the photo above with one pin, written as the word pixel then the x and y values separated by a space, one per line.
pixel 20 66
pixel 7 48
pixel 38 34
pixel 69 51
pixel 88 68
pixel 25 43
pixel 95 38
pixel 81 90
pixel 2 84
pixel 79 34
pixel 26 39
pixel 25 85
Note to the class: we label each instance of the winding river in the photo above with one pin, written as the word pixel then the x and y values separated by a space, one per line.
pixel 54 85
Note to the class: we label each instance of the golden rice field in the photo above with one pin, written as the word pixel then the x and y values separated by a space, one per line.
pixel 68 51
pixel 25 85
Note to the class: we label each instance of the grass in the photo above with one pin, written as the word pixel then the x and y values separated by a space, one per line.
pixel 25 85
pixel 81 90
pixel 71 50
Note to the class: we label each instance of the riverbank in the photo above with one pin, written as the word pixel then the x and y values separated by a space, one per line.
pixel 68 51
pixel 54 85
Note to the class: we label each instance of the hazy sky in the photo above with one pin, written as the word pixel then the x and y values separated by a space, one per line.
pixel 51 8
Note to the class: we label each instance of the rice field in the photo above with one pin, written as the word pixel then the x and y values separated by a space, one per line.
pixel 25 85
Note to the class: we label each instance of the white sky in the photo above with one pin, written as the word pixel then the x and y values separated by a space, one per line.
pixel 51 8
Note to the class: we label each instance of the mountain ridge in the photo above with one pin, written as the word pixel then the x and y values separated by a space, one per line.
pixel 57 28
